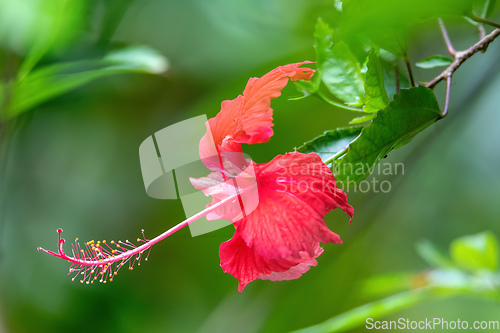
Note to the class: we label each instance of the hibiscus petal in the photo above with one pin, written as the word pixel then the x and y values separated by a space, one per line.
pixel 248 118
pixel 236 180
pixel 295 193
pixel 237 259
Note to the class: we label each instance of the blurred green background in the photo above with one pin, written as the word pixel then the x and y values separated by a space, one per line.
pixel 72 162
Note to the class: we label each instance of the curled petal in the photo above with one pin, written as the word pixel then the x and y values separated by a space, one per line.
pixel 240 261
pixel 248 118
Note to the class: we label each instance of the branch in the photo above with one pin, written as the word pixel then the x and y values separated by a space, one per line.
pixel 462 56
pixel 449 45
pixel 447 99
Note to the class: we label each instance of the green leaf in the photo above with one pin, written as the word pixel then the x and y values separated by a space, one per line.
pixel 375 95
pixel 474 252
pixel 51 81
pixel 434 61
pixel 331 142
pixel 338 68
pixel 409 113
pixel 392 40
pixel 381 17
pixel 359 317
pixel 363 119
pixel 432 255
pixel 483 8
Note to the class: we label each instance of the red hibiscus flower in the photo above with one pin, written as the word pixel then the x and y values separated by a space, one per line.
pixel 279 238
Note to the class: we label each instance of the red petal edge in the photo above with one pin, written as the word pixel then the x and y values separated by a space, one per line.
pixel 237 259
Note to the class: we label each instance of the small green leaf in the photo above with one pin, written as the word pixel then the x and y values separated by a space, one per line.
pixel 409 113
pixel 474 252
pixel 363 119
pixel 338 68
pixel 375 95
pixel 483 8
pixel 434 61
pixel 331 142
pixel 432 255
pixel 50 81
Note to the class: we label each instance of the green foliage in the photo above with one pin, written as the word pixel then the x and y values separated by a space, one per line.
pixel 51 81
pixel 375 95
pixel 434 61
pixel 331 142
pixel 338 68
pixel 392 40
pixel 476 252
pixel 483 8
pixel 361 16
pixel 408 114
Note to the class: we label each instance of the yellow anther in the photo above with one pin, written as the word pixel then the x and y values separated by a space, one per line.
pixel 113 251
pixel 131 268
pixel 112 242
pixel 87 282
pixel 111 280
pixel 117 245
pixel 73 279
pixel 81 281
pixel 138 239
pixel 116 273
pixel 104 241
pixel 76 239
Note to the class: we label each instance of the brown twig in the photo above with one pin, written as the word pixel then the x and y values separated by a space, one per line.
pixel 462 56
pixel 447 99
pixel 446 37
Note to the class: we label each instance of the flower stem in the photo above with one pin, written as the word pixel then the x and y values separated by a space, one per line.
pixel 145 246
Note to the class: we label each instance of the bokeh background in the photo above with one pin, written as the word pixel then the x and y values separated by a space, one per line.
pixel 72 162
